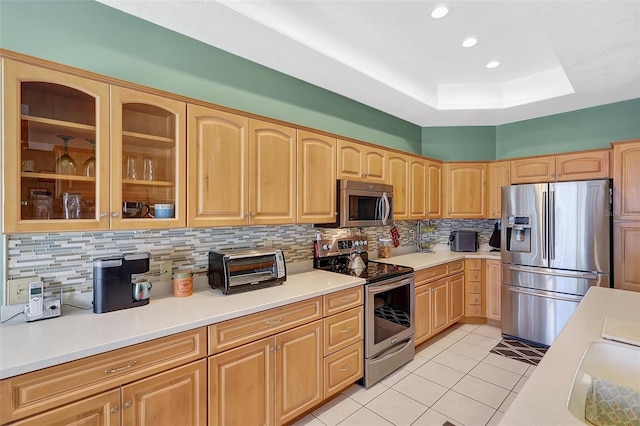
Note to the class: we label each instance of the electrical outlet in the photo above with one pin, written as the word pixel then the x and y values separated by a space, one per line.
pixel 268 243
pixel 18 290
pixel 165 270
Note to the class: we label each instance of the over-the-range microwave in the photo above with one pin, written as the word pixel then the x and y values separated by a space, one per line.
pixel 361 204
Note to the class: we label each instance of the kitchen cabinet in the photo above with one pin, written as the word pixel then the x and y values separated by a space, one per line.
pixel 361 162
pixel 434 190
pixel 493 289
pixel 159 367
pixel 418 191
pixel 241 171
pixel 465 190
pixel 400 178
pixel 270 381
pixel 439 299
pixel 316 178
pixel 148 157
pixel 38 106
pixel 70 175
pixel 626 180
pixel 473 285
pixel 575 166
pixel 499 176
pixel 626 255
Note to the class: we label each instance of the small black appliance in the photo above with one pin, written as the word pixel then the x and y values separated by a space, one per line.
pixel 464 240
pixel 113 281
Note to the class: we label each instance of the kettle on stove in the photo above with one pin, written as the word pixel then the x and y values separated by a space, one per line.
pixel 356 263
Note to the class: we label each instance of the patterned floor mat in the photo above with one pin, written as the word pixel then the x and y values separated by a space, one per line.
pixel 521 351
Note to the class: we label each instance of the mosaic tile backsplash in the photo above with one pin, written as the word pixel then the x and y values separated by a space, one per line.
pixel 66 259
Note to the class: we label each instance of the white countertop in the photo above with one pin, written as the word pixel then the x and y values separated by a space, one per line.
pixel 543 400
pixel 426 260
pixel 76 334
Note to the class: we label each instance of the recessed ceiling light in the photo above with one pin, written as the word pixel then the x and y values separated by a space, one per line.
pixel 493 64
pixel 469 42
pixel 439 12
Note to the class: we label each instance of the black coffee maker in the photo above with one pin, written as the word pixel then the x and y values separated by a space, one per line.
pixel 113 281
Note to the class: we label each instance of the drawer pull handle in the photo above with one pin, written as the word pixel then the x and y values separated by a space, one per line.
pixel 345 330
pixel 432 274
pixel 128 404
pixel 278 321
pixel 115 409
pixel 346 300
pixel 347 368
pixel 116 370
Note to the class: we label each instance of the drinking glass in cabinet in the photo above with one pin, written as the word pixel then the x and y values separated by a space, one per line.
pixel 71 204
pixel 147 168
pixel 89 167
pixel 131 171
pixel 65 165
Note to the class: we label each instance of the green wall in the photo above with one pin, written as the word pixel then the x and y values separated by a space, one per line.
pixel 459 143
pixel 95 37
pixel 589 128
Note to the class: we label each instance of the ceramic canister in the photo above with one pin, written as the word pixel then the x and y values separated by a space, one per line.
pixel 182 283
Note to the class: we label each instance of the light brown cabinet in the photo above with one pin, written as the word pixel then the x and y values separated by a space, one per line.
pixel 493 289
pixel 316 178
pixel 465 190
pixel 626 180
pixel 361 162
pixel 400 178
pixel 626 254
pixel 433 196
pixel 440 306
pixel 499 176
pixel 473 283
pixel 418 191
pixel 566 167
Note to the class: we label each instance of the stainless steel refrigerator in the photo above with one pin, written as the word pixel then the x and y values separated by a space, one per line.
pixel 555 244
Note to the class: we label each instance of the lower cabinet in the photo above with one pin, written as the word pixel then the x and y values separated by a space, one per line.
pixel 455 286
pixel 493 283
pixel 439 305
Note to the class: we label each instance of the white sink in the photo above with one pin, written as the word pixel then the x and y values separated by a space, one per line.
pixel 617 363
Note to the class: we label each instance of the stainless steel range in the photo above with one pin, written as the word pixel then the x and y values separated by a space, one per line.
pixel 389 304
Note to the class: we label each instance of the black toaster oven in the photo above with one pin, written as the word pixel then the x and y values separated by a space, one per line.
pixel 464 240
pixel 234 271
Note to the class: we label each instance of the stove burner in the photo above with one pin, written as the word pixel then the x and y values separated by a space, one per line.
pixel 373 272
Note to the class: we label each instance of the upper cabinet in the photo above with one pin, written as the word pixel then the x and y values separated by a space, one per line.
pixel 400 179
pixel 499 176
pixel 361 162
pixel 148 160
pixel 579 166
pixel 433 198
pixel 465 190
pixel 316 178
pixel 626 180
pixel 418 179
pixel 241 171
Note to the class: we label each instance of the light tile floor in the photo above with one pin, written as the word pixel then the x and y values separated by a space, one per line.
pixel 453 377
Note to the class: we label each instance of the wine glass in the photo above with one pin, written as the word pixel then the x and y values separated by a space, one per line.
pixel 65 165
pixel 89 167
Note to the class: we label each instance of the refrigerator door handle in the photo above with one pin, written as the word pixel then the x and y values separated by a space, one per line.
pixel 546 294
pixel 552 225
pixel 545 227
pixel 567 274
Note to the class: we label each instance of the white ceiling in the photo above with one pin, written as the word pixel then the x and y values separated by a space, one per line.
pixel 555 56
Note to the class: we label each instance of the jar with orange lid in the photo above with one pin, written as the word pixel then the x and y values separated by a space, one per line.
pixel 384 247
pixel 182 283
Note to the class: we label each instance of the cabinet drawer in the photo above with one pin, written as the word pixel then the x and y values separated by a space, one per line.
pixel 473 275
pixel 473 287
pixel 473 264
pixel 343 300
pixel 342 368
pixel 472 310
pixel 473 299
pixel 425 275
pixel 343 329
pixel 52 387
pixel 235 332
pixel 456 266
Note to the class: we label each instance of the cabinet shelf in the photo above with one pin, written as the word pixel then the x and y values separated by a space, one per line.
pixel 43 125
pixel 148 141
pixel 148 182
pixel 54 176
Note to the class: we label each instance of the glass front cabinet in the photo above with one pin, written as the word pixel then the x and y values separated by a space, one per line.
pixel 80 154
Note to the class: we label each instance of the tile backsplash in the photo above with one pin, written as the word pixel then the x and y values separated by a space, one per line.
pixel 66 259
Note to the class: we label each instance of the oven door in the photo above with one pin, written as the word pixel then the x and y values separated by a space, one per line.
pixel 389 313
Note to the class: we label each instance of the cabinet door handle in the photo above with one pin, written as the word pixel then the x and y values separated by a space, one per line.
pixel 104 215
pixel 278 321
pixel 115 409
pixel 346 300
pixel 345 330
pixel 347 368
pixel 128 404
pixel 115 214
pixel 118 369
pixel 253 214
pixel 278 347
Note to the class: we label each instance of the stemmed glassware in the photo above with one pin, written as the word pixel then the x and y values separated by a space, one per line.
pixel 89 167
pixel 65 165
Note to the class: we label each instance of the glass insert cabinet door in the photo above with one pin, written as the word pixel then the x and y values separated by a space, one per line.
pixel 55 150
pixel 148 157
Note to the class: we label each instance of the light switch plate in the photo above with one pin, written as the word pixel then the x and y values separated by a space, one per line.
pixel 165 270
pixel 18 290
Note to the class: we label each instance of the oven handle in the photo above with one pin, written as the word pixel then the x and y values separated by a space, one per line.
pixel 395 351
pixel 382 287
pixel 386 208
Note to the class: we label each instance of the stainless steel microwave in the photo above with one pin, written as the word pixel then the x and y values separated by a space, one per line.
pixel 361 204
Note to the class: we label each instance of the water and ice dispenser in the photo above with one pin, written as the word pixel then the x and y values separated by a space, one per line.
pixel 518 229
